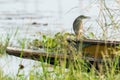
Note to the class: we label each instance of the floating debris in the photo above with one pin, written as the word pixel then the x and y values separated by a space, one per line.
pixel 34 23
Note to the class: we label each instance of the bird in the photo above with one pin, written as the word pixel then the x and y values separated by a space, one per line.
pixel 78 26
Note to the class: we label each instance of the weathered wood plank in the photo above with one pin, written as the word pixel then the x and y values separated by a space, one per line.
pixel 95 42
pixel 36 55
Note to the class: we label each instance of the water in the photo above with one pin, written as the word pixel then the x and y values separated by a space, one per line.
pixel 51 16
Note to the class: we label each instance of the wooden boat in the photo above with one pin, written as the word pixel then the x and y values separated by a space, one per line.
pixel 98 48
pixel 93 50
pixel 35 55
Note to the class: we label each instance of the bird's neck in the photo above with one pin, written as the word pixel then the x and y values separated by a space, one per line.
pixel 81 25
pixel 81 28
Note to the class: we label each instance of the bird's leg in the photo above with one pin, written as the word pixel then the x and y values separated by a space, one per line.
pixel 79 36
pixel 79 40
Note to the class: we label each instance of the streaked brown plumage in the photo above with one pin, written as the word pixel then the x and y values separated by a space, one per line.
pixel 78 26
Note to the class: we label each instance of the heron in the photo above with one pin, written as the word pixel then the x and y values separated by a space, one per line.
pixel 78 26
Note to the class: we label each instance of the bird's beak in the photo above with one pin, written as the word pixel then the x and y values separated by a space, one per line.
pixel 87 17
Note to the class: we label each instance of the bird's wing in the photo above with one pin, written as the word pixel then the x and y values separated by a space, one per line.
pixel 76 25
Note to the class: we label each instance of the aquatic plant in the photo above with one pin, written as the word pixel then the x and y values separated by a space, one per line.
pixel 57 44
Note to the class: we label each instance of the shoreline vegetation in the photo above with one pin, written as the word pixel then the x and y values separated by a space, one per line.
pixel 78 67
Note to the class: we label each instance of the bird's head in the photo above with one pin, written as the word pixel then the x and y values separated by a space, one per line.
pixel 83 17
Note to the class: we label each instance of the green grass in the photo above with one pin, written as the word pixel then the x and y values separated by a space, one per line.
pixel 78 68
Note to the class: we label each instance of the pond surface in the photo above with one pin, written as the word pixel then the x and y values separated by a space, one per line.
pixel 30 18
